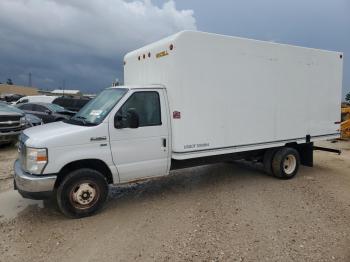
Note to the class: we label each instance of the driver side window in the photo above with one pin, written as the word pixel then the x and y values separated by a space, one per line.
pixel 147 106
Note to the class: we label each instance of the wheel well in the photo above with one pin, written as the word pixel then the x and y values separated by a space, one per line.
pixel 292 145
pixel 95 164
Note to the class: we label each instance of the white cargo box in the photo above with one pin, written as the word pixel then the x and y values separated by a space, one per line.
pixel 231 94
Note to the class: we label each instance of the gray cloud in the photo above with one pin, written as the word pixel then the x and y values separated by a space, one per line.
pixel 80 41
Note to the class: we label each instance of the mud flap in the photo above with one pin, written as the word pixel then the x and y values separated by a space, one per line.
pixel 306 152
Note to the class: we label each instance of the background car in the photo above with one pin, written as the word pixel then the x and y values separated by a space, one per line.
pixel 46 112
pixel 12 122
pixel 9 98
pixel 35 99
pixel 33 120
pixel 71 103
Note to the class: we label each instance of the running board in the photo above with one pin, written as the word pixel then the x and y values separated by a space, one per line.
pixel 332 150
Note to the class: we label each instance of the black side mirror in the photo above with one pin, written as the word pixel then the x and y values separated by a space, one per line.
pixel 118 121
pixel 131 120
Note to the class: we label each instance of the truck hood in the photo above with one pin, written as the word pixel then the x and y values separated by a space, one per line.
pixel 10 111
pixel 60 134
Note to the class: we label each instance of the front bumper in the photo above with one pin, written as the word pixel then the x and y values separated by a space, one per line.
pixel 9 136
pixel 31 186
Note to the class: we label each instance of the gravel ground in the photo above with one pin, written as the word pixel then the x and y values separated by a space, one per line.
pixel 223 212
pixel 7 156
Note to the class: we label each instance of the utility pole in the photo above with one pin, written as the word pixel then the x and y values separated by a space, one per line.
pixel 63 86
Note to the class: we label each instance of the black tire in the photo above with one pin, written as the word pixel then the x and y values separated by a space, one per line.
pixel 83 185
pixel 267 161
pixel 285 163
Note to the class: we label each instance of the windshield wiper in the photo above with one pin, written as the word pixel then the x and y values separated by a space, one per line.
pixel 82 119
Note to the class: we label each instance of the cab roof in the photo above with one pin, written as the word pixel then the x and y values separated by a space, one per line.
pixel 139 87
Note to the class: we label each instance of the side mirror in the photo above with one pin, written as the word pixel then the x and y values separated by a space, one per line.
pixel 132 118
pixel 118 121
pixel 48 112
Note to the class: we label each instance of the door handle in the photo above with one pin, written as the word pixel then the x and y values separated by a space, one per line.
pixel 164 142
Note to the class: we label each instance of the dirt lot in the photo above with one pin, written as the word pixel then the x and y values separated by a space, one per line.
pixel 224 212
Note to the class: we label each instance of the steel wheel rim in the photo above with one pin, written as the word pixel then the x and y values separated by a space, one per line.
pixel 289 164
pixel 84 195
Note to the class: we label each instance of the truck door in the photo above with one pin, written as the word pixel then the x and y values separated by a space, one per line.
pixel 144 151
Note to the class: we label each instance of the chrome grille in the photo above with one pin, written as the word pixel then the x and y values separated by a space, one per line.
pixel 9 118
pixel 9 124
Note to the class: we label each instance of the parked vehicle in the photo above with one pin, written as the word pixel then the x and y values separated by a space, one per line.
pixel 71 103
pixel 47 112
pixel 33 120
pixel 187 102
pixel 10 97
pixel 13 121
pixel 11 124
pixel 34 99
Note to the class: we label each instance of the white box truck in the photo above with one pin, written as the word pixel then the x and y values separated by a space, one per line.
pixel 191 99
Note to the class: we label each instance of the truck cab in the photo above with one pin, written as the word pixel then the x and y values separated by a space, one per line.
pixel 120 136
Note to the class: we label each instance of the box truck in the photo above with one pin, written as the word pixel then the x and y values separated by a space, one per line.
pixel 190 99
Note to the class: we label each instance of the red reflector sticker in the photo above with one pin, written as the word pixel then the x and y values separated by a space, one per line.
pixel 176 115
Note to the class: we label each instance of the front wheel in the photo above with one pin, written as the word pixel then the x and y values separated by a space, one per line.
pixel 285 163
pixel 82 193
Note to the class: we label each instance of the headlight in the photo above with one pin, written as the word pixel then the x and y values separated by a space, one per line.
pixel 36 160
pixel 23 121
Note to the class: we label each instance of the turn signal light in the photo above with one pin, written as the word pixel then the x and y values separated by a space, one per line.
pixel 41 158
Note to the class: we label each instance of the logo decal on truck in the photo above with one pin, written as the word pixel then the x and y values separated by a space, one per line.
pixel 161 54
pixel 191 146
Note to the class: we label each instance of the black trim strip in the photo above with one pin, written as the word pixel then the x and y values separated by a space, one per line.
pixel 255 144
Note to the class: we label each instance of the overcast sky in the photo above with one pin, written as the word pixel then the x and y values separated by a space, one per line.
pixel 83 42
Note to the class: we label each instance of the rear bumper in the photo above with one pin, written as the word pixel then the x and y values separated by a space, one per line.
pixel 31 186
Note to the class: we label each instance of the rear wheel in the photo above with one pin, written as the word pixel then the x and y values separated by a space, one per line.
pixel 82 193
pixel 285 163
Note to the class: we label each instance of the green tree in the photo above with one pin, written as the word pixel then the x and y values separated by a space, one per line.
pixel 347 97
pixel 9 81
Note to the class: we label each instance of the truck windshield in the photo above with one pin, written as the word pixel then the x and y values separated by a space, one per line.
pixel 98 108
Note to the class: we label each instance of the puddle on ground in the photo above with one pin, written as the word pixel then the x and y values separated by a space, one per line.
pixel 12 203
